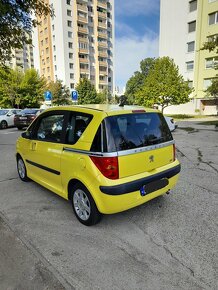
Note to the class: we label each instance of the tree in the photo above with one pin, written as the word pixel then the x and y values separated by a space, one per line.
pixel 137 80
pixel 211 44
pixel 16 23
pixel 60 93
pixel 18 89
pixel 32 88
pixel 163 85
pixel 10 81
pixel 86 92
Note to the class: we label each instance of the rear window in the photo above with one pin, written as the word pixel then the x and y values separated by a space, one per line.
pixel 137 130
pixel 28 111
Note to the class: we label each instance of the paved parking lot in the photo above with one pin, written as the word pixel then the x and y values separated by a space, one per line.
pixel 168 243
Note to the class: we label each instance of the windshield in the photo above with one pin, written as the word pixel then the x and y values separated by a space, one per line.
pixel 29 111
pixel 137 130
pixel 3 112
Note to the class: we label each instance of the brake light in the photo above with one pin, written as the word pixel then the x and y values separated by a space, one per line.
pixel 138 111
pixel 174 152
pixel 32 117
pixel 108 166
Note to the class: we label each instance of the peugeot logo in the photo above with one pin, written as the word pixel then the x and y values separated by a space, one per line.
pixel 151 158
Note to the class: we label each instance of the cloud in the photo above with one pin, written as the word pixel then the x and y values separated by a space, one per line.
pixel 129 51
pixel 136 7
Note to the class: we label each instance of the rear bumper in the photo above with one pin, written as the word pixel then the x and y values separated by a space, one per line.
pixel 136 185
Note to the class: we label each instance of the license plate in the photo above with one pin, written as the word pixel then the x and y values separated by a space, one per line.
pixel 153 186
pixel 23 118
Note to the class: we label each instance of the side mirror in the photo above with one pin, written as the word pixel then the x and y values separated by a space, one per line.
pixel 9 114
pixel 27 135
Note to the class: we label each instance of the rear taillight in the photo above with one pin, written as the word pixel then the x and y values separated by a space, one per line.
pixel 174 152
pixel 32 117
pixel 108 166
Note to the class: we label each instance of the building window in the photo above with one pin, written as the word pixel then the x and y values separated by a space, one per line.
pixel 211 62
pixel 71 65
pixel 46 50
pixel 70 55
pixel 191 26
pixel 69 13
pixel 41 42
pixel 69 23
pixel 72 86
pixel 72 76
pixel 190 46
pixel 53 27
pixel 55 67
pixel 70 34
pixel 54 57
pixel 207 83
pixel 210 1
pixel 68 2
pixel 190 65
pixel 190 84
pixel 193 5
pixel 70 44
pixel 54 47
pixel 48 69
pixel 213 18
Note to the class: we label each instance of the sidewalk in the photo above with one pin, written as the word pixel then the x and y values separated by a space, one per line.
pixel 19 267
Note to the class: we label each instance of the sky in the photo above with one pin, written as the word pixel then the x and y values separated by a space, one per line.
pixel 136 36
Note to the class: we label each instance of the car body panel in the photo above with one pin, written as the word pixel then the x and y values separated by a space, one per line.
pixel 9 116
pixel 55 165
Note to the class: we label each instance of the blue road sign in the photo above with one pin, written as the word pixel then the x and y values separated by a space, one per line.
pixel 48 96
pixel 74 96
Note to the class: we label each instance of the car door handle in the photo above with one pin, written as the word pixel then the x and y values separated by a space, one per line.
pixel 33 146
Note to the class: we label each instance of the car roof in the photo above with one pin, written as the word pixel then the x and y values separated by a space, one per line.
pixel 106 108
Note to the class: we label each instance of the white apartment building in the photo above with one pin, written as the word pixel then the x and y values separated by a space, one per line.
pixel 77 42
pixel 185 25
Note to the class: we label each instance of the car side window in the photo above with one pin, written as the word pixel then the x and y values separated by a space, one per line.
pixel 76 126
pixel 50 128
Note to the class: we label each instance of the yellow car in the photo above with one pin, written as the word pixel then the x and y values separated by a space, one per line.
pixel 103 158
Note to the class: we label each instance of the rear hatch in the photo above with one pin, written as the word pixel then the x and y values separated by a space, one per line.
pixel 143 142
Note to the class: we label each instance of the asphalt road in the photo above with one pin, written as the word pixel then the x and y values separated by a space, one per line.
pixel 168 243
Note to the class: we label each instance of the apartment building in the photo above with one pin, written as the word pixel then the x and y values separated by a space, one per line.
pixel 22 59
pixel 77 42
pixel 185 25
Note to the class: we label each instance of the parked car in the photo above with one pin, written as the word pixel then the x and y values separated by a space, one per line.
pixel 25 117
pixel 171 123
pixel 103 158
pixel 7 117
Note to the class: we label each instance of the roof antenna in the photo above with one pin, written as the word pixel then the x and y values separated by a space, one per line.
pixel 122 100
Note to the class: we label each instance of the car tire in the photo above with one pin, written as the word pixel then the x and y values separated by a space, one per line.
pixel 84 205
pixel 19 128
pixel 21 169
pixel 3 124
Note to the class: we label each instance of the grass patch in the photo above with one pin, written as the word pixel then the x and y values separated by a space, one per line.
pixel 210 123
pixel 184 116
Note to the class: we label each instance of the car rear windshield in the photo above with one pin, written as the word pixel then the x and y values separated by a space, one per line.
pixel 136 130
pixel 28 111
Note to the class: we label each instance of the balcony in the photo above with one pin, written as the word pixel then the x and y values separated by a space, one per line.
pixel 102 44
pixel 83 39
pixel 102 25
pixel 81 7
pixel 102 15
pixel 103 54
pixel 84 70
pixel 82 19
pixel 103 82
pixel 83 29
pixel 102 35
pixel 103 63
pixel 84 50
pixel 102 4
pixel 83 60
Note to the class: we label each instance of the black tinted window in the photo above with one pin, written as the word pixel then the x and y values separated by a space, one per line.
pixel 77 124
pixel 136 130
pixel 28 111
